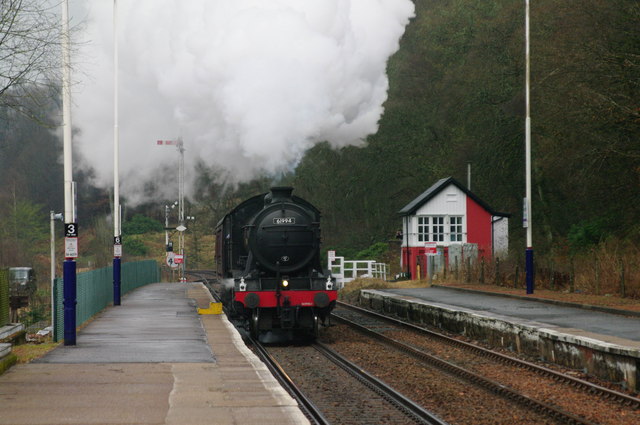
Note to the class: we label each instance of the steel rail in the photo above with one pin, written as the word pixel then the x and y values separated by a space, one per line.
pixel 592 388
pixel 309 409
pixel 474 378
pixel 404 404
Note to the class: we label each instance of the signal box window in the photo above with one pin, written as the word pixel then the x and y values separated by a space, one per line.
pixel 455 228
pixel 437 229
pixel 431 229
pixel 423 229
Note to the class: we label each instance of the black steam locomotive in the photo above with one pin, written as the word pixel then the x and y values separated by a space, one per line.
pixel 268 254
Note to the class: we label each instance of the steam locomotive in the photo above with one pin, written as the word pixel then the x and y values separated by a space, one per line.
pixel 268 255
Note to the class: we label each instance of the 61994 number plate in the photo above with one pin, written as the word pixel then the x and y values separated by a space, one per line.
pixel 284 220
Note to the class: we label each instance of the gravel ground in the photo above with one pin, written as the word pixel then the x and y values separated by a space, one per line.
pixel 455 401
pixel 342 399
pixel 529 383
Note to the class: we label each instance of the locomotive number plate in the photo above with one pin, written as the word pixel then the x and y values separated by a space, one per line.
pixel 284 220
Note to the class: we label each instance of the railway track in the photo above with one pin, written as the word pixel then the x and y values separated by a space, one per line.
pixel 331 389
pixel 465 361
pixel 310 410
pixel 206 276
pixel 417 341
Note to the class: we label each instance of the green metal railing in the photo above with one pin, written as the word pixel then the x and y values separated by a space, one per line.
pixel 4 297
pixel 95 290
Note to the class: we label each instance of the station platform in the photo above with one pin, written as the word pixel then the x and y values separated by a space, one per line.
pixel 151 360
pixel 600 343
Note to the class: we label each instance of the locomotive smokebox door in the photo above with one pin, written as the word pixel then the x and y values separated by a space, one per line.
pixel 284 234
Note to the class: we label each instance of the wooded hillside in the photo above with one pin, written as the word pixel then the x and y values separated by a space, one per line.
pixel 456 96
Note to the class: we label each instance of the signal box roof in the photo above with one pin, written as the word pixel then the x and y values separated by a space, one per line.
pixel 440 185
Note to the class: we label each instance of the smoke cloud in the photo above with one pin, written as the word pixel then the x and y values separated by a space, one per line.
pixel 249 85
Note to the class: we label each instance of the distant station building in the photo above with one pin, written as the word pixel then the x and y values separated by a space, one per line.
pixel 445 226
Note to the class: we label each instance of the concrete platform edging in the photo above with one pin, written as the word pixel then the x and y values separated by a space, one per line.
pixel 5 349
pixel 546 300
pixel 609 358
pixel 10 330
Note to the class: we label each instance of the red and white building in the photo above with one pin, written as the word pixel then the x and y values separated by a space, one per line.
pixel 447 224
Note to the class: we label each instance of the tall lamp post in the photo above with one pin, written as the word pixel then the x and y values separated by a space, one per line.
pixel 117 238
pixel 71 226
pixel 527 222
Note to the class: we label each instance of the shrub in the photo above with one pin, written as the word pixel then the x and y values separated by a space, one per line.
pixel 134 247
pixel 140 224
pixel 374 252
pixel 587 233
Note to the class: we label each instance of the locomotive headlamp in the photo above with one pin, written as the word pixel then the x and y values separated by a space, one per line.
pixel 243 285
pixel 285 283
pixel 329 284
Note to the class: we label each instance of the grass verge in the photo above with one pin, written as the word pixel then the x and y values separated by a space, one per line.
pixel 7 362
pixel 29 352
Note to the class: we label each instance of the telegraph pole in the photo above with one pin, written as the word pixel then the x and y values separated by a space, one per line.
pixel 71 225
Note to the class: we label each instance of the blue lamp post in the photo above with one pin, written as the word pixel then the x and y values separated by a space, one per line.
pixel 527 222
pixel 70 217
pixel 117 235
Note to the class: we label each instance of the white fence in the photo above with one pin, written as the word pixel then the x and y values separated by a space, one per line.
pixel 346 271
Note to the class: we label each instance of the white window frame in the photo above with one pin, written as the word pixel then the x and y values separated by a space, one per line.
pixel 456 231
pixel 440 228
pixel 422 223
pixel 437 228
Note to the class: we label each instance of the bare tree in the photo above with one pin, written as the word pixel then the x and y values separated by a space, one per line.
pixel 29 50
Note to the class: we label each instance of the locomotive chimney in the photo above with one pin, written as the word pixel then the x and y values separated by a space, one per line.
pixel 281 194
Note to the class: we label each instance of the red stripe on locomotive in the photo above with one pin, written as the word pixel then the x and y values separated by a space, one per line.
pixel 301 298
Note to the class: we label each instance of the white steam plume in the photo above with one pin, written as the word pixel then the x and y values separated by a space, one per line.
pixel 249 85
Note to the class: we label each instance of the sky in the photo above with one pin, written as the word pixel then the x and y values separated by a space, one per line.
pixel 247 85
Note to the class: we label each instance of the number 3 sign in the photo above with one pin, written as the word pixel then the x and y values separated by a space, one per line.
pixel 71 230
